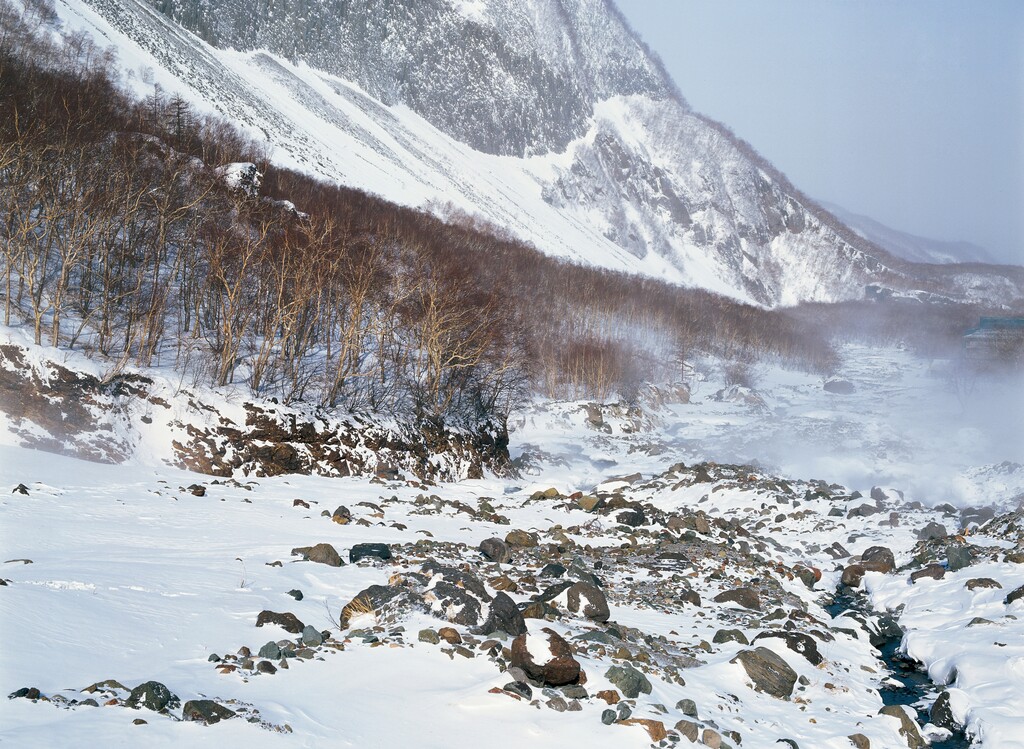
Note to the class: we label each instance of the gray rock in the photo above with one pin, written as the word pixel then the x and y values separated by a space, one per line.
pixel 311 636
pixel 296 594
pixel 1014 595
pixel 558 704
pixel 629 681
pixel 798 642
pixel 623 711
pixel 270 651
pixel 769 672
pixel 959 556
pixel 496 550
pixel 504 616
pixel 152 695
pixel 932 531
pixel 730 635
pixel 552 569
pixel 840 387
pixel 429 636
pixel 942 715
pixel 633 518
pixel 608 716
pixel 519 687
pixel 687 707
pixel 376 599
pixel 369 551
pixel 206 712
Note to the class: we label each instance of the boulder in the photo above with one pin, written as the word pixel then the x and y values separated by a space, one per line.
pixel 321 554
pixel 768 671
pixel 495 550
pixel 369 551
pixel 152 695
pixel 838 386
pixel 932 531
pixel 504 616
pixel 981 582
pixel 342 515
pixel 655 728
pixel 454 594
pixel 375 600
pixel 630 681
pixel 730 635
pixel 878 558
pixel 546 658
pixel 287 621
pixel 908 728
pixel 311 636
pixel 522 539
pixel 941 713
pixel 798 642
pixel 745 597
pixel 959 556
pixel 1015 595
pixel 206 712
pixel 633 518
pixel 933 571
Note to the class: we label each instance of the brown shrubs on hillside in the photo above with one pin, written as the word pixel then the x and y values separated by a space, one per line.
pixel 118 236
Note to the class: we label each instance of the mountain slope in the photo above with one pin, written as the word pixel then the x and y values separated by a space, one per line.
pixel 910 246
pixel 546 119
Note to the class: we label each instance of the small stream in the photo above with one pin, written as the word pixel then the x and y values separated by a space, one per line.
pixel 917 690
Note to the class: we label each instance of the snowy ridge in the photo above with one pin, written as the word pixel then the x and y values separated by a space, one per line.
pixel 633 181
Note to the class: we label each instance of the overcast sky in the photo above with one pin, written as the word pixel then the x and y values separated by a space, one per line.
pixel 908 111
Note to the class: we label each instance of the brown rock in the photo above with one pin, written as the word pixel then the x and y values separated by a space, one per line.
pixel 287 621
pixel 522 539
pixel 688 729
pixel 321 554
pixel 450 635
pixel 611 696
pixel 745 597
pixel 981 582
pixel 908 728
pixel 559 666
pixel 655 728
pixel 860 741
pixel 933 571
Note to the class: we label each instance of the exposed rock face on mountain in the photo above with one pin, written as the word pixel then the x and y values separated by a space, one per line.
pixel 509 77
pixel 546 118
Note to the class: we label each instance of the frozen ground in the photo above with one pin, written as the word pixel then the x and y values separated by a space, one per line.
pixel 134 578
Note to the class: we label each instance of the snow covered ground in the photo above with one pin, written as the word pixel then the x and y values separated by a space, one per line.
pixel 133 577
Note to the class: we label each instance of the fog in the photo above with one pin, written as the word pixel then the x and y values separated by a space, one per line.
pixel 933 429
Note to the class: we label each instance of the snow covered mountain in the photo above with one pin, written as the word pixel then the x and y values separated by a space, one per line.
pixel 910 246
pixel 546 118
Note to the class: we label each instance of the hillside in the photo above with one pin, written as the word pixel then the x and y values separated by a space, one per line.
pixel 587 155
pixel 910 246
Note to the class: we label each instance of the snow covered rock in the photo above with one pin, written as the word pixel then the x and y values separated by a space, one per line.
pixel 206 712
pixel 768 671
pixel 908 727
pixel 546 658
